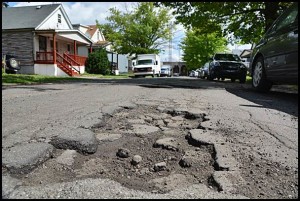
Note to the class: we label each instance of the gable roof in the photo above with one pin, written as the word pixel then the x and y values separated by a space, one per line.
pixel 92 29
pixel 26 17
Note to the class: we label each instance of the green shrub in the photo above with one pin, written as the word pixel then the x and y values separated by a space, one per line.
pixel 98 63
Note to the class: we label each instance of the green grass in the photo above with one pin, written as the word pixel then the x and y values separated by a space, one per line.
pixel 32 79
pixel 248 79
pixel 35 79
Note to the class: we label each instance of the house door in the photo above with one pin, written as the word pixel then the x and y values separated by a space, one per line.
pixel 43 47
pixel 42 44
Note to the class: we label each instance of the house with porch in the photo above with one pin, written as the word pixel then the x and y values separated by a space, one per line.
pixel 44 40
pixel 119 61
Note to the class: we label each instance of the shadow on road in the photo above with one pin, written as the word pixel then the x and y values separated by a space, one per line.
pixel 178 82
pixel 281 101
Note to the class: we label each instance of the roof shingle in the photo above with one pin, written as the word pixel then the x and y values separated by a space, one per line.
pixel 25 17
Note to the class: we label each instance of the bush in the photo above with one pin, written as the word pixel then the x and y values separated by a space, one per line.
pixel 98 63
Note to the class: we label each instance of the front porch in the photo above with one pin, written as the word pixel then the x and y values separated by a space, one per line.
pixel 59 65
pixel 56 53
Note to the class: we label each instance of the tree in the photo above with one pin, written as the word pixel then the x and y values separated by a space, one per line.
pixel 5 4
pixel 240 21
pixel 141 31
pixel 198 48
pixel 98 63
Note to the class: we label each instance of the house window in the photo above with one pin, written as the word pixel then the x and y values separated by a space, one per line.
pixel 42 43
pixel 59 18
pixel 69 47
pixel 98 36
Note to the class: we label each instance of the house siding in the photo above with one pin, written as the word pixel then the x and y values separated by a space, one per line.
pixel 20 43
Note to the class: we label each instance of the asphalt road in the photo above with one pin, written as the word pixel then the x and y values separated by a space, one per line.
pixel 259 126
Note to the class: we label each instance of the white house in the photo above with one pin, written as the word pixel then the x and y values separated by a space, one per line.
pixel 44 40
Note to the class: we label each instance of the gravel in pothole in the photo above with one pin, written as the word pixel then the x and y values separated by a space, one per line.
pixel 128 155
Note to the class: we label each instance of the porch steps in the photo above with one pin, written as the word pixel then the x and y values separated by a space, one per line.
pixel 68 70
pixel 66 66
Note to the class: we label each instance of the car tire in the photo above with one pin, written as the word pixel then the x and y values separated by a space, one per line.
pixel 232 80
pixel 209 77
pixel 242 79
pixel 259 81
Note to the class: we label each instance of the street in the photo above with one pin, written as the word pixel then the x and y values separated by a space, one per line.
pixel 177 137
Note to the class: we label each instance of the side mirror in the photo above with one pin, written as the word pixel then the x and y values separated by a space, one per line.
pixel 156 62
pixel 133 63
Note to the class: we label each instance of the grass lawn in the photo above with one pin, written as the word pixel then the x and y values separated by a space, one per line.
pixel 35 79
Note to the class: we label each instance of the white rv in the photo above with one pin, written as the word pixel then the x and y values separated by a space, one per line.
pixel 147 64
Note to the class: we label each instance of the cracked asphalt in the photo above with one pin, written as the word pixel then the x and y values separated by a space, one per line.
pixel 188 137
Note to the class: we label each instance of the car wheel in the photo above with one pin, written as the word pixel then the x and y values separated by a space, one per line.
pixel 259 81
pixel 243 79
pixel 232 80
pixel 209 77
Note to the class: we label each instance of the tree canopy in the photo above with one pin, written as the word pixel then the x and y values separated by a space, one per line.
pixel 141 31
pixel 198 48
pixel 244 22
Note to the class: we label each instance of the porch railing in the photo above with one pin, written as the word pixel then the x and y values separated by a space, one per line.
pixel 47 58
pixel 71 60
pixel 44 57
pixel 80 59
pixel 65 64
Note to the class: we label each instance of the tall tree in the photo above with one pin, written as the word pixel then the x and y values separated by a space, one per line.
pixel 245 22
pixel 198 48
pixel 141 31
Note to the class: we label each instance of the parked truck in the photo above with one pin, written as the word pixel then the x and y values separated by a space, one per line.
pixel 147 64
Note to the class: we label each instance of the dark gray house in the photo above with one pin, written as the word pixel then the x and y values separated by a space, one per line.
pixel 43 39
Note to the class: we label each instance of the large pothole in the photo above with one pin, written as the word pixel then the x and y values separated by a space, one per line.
pixel 157 156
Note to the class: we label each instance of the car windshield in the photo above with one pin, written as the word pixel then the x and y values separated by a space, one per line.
pixel 227 57
pixel 145 62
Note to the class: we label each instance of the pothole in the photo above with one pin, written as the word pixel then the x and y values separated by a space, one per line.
pixel 156 153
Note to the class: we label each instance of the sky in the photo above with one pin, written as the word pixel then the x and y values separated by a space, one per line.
pixel 87 13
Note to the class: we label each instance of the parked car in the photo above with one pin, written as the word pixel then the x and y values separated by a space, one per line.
pixel 194 73
pixel 204 71
pixel 10 63
pixel 165 71
pixel 274 60
pixel 226 65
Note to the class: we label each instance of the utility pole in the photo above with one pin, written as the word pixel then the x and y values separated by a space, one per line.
pixel 170 44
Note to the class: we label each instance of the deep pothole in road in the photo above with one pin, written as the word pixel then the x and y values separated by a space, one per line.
pixel 141 148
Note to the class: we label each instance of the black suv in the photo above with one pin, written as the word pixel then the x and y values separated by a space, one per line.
pixel 10 63
pixel 226 65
